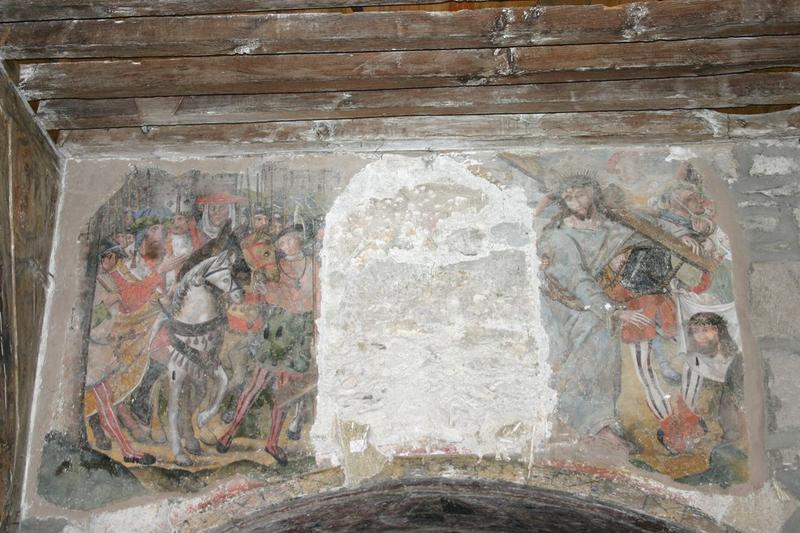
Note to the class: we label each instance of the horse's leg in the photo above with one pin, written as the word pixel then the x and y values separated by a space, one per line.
pixel 254 387
pixel 185 411
pixel 296 425
pixel 237 355
pixel 177 377
pixel 221 384
pixel 158 424
pixel 110 424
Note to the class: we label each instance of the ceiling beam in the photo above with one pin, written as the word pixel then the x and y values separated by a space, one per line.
pixel 773 88
pixel 430 133
pixel 395 70
pixel 29 10
pixel 249 34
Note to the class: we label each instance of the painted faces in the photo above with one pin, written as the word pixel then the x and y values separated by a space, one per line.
pixel 218 214
pixel 108 261
pixel 291 244
pixel 580 201
pixel 180 224
pixel 688 201
pixel 706 338
pixel 152 244
pixel 260 222
pixel 154 233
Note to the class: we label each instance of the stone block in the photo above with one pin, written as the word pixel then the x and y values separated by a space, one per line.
pixel 792 524
pixel 774 293
pixel 774 165
pixel 760 223
pixel 789 478
pixel 768 173
pixel 44 525
pixel 783 384
pixel 771 231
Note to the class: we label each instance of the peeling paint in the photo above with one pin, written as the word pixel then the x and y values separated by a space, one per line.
pixel 394 235
pixel 247 47
pixel 634 15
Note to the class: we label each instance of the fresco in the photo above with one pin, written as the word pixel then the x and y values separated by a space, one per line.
pixel 554 308
pixel 645 344
pixel 201 349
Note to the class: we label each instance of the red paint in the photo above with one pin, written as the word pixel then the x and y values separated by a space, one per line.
pixel 226 493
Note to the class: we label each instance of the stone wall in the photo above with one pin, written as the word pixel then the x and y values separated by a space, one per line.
pixel 768 198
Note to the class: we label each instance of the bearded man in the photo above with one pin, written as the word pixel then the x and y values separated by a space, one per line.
pixel 144 275
pixel 713 367
pixel 284 358
pixel 712 390
pixel 245 320
pixel 181 240
pixel 575 249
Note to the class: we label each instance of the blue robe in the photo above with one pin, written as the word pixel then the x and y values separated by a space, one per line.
pixel 584 349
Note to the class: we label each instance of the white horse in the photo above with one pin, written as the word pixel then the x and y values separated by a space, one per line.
pixel 196 326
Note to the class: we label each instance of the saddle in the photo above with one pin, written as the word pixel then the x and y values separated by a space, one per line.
pixel 189 357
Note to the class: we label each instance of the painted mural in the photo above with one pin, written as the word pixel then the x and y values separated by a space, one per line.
pixel 554 309
pixel 645 344
pixel 201 349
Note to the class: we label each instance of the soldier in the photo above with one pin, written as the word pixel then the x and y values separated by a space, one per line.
pixel 104 368
pixel 245 320
pixel 283 357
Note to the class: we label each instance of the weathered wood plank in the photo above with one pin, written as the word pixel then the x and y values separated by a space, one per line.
pixel 23 118
pixel 671 93
pixel 26 10
pixel 395 70
pixel 29 185
pixel 9 453
pixel 413 30
pixel 429 133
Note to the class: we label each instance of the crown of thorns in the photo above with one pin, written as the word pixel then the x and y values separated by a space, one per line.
pixel 583 178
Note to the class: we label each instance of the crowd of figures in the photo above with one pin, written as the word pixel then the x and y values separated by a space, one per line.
pixel 203 313
pixel 645 288
pixel 210 307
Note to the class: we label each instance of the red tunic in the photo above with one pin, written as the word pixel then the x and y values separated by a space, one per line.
pixel 660 308
pixel 135 294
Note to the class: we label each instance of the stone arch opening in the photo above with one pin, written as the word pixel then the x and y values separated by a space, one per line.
pixel 435 504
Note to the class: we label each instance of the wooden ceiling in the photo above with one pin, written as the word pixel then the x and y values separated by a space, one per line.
pixel 174 71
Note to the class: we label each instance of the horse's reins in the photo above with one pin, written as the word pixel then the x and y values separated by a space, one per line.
pixel 230 285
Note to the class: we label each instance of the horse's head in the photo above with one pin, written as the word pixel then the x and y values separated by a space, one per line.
pixel 217 273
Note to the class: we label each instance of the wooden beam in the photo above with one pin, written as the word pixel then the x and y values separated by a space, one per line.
pixel 29 188
pixel 28 10
pixel 397 70
pixel 671 93
pixel 256 34
pixel 429 133
pixel 19 112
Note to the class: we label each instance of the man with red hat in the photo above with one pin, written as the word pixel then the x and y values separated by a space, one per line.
pixel 219 208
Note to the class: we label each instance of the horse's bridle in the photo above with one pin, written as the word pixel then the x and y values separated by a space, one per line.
pixel 232 282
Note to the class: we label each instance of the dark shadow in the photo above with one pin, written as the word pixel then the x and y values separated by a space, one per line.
pixel 448 505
